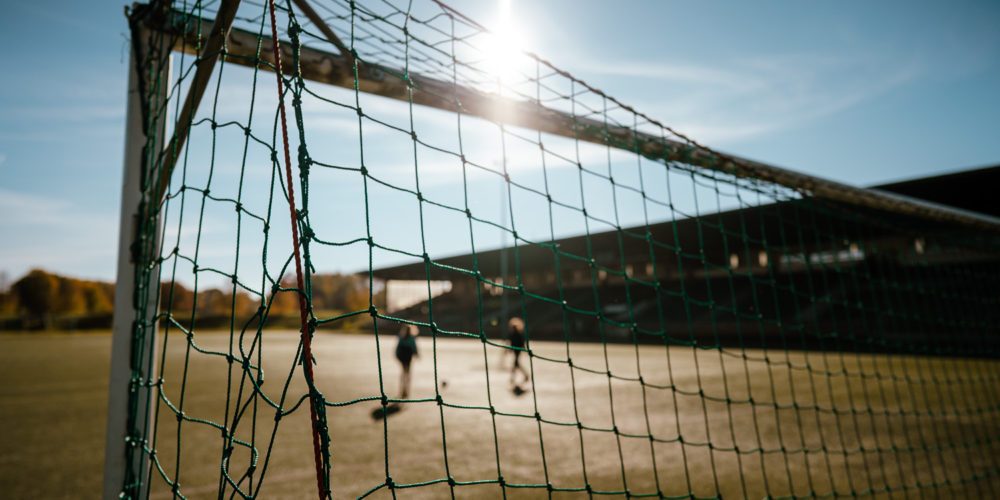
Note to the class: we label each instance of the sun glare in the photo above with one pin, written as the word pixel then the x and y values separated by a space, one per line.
pixel 502 46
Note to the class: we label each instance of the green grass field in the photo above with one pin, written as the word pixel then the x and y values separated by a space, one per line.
pixel 930 422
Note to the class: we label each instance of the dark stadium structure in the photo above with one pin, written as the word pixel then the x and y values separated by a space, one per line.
pixel 784 286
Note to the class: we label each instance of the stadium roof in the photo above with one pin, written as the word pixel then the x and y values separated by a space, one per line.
pixel 973 189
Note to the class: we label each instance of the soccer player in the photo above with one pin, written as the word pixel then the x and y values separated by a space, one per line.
pixel 515 335
pixel 406 349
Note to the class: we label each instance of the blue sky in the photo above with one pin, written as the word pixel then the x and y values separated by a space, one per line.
pixel 861 92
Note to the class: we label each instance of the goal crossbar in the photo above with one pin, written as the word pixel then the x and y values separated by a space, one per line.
pixel 254 50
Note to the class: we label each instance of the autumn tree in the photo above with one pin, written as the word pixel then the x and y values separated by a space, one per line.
pixel 37 294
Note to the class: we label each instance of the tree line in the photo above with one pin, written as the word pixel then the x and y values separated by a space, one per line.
pixel 44 300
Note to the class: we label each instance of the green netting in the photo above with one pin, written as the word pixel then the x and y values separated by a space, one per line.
pixel 688 332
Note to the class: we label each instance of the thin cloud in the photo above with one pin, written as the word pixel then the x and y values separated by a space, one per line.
pixel 40 231
pixel 670 72
pixel 18 209
pixel 63 112
pixel 761 95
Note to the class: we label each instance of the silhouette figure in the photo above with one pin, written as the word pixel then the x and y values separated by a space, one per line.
pixel 406 350
pixel 515 335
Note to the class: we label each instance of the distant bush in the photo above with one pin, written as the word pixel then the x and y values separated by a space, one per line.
pixel 42 300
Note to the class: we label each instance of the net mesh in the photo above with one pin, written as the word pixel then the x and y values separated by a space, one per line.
pixel 687 332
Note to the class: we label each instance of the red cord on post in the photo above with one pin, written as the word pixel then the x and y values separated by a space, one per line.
pixel 300 280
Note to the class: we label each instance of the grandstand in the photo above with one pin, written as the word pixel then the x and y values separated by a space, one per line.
pixel 742 295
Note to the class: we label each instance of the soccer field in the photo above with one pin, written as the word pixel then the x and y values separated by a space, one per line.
pixel 53 409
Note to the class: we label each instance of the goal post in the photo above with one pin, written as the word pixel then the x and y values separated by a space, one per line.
pixel 133 346
pixel 368 250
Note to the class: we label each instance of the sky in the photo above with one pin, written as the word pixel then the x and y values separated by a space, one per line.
pixel 858 92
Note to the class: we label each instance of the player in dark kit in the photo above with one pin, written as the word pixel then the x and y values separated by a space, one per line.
pixel 515 335
pixel 406 349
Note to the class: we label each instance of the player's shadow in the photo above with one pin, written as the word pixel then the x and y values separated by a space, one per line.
pixel 384 412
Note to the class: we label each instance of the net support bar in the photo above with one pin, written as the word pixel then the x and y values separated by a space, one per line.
pixel 338 69
pixel 210 50
pixel 328 32
pixel 127 349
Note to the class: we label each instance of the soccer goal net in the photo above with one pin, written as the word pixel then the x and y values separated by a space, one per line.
pixel 370 248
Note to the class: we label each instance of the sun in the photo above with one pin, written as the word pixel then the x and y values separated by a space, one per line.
pixel 503 56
